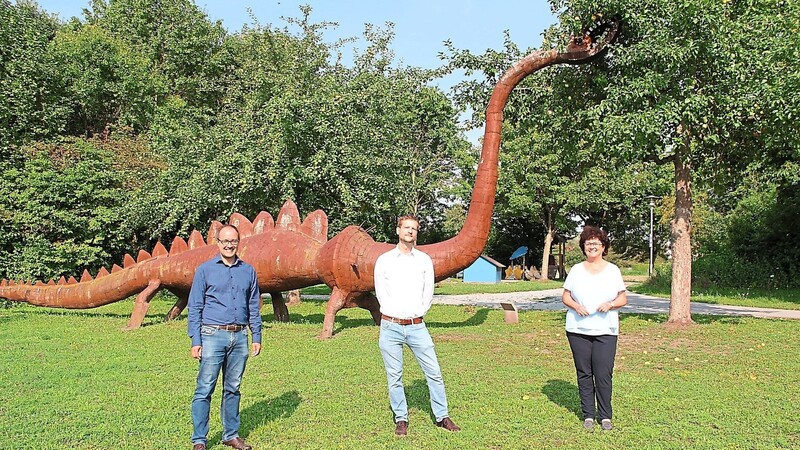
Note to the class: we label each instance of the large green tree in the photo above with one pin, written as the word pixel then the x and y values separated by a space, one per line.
pixel 691 85
pixel 364 143
pixel 551 171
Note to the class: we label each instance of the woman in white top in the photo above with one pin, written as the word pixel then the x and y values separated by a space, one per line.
pixel 593 292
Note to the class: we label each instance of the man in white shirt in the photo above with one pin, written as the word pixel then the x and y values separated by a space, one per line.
pixel 404 287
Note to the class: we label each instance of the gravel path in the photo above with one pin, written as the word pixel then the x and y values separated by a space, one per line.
pixel 637 303
pixel 550 300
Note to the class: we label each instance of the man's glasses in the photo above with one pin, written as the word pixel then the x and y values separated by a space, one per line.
pixel 233 242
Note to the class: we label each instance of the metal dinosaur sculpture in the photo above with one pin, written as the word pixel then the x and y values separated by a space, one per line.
pixel 289 254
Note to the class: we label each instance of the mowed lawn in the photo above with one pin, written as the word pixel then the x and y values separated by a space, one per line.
pixel 74 380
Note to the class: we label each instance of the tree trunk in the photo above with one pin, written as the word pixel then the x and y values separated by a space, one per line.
pixel 680 301
pixel 548 243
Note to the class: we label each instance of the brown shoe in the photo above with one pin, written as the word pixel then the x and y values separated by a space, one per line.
pixel 448 425
pixel 402 428
pixel 199 446
pixel 238 443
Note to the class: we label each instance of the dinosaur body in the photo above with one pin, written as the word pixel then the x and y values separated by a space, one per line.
pixel 289 254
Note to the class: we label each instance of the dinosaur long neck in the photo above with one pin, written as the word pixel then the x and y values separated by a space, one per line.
pixel 457 253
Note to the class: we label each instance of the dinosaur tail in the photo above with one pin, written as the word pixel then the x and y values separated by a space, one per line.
pixel 109 286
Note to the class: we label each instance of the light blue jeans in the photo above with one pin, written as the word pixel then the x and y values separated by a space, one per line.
pixel 392 338
pixel 224 351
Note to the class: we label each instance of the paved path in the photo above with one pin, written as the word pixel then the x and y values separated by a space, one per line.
pixel 637 303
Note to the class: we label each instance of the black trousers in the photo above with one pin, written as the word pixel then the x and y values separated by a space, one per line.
pixel 594 364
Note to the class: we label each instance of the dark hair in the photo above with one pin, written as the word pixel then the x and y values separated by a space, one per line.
pixel 590 232
pixel 227 225
pixel 402 219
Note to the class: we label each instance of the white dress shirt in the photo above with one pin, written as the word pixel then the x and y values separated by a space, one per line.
pixel 404 283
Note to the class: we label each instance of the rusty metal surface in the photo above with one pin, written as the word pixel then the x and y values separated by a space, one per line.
pixel 288 253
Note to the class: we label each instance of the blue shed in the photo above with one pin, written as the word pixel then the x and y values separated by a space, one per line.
pixel 484 270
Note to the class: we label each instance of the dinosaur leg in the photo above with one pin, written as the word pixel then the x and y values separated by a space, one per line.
pixel 178 307
pixel 369 302
pixel 279 307
pixel 335 303
pixel 142 304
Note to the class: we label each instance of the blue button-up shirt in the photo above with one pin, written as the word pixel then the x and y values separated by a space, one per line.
pixel 224 295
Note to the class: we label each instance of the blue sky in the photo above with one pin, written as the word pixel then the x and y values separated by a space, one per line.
pixel 420 26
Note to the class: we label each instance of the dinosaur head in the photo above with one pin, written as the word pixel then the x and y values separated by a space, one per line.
pixel 592 43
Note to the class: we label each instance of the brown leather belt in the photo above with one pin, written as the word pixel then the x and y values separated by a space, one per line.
pixel 227 327
pixel 413 321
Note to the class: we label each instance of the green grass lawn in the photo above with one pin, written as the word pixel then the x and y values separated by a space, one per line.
pixel 760 298
pixel 457 287
pixel 73 380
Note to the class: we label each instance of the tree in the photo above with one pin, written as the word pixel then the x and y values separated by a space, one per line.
pixel 185 50
pixel 551 171
pixel 106 84
pixel 29 106
pixel 364 143
pixel 62 212
pixel 684 90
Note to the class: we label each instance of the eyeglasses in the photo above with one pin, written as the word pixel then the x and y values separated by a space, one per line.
pixel 233 242
pixel 592 244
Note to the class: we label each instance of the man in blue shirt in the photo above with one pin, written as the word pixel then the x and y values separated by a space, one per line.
pixel 224 299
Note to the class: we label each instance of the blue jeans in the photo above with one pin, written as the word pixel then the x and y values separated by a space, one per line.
pixel 226 351
pixel 392 338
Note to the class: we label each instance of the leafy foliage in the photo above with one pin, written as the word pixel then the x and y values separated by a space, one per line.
pixel 62 214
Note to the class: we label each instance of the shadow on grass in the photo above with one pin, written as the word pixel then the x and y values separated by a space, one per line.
pixel 264 412
pixel 565 395
pixel 343 323
pixel 151 319
pixel 418 396
pixel 477 319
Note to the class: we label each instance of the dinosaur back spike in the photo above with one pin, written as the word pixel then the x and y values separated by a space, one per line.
pixel 196 240
pixel 142 256
pixel 178 246
pixel 288 217
pixel 115 268
pixel 52 282
pixel 62 280
pixel 4 283
pixel 102 272
pixel 72 280
pixel 38 283
pixel 244 225
pixel 159 250
pixel 128 261
pixel 86 276
pixel 316 226
pixel 213 230
pixel 263 222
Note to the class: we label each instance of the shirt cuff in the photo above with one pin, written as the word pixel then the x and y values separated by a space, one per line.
pixel 256 338
pixel 196 340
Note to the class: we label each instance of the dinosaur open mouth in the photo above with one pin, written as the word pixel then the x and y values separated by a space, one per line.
pixel 593 41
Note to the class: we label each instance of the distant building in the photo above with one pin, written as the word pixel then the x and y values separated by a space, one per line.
pixel 484 270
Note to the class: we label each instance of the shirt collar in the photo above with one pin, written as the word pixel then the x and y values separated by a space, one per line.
pixel 219 260
pixel 413 252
